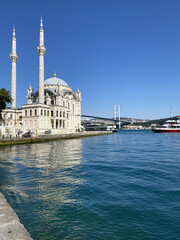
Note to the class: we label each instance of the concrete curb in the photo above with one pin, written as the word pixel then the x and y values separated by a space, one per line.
pixel 10 226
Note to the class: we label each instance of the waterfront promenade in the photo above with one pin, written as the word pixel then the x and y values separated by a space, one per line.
pixel 45 138
pixel 10 226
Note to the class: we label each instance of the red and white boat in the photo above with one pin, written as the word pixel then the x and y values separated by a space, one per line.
pixel 168 126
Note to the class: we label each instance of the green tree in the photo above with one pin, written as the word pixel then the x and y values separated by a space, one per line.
pixel 5 97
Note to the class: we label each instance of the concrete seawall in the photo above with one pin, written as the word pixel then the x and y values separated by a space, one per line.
pixel 10 226
pixel 46 137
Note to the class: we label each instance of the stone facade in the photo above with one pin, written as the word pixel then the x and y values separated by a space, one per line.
pixel 53 109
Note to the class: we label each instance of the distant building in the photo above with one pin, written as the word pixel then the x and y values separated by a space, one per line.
pixel 53 109
pixel 133 127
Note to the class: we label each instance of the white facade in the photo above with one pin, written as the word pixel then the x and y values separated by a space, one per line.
pixel 53 109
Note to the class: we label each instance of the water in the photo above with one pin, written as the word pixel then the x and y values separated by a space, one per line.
pixel 120 186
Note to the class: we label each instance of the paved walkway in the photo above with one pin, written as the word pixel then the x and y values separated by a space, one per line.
pixel 10 226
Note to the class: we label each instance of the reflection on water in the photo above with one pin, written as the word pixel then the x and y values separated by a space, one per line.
pixel 46 169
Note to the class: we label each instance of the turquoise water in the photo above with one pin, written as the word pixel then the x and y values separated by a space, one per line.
pixel 119 186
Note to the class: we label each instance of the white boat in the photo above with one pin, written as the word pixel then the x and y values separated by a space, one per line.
pixel 168 126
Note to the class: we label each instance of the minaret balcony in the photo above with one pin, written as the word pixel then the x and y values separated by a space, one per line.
pixel 13 57
pixel 41 50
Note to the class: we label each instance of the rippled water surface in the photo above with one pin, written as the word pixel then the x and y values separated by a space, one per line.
pixel 120 186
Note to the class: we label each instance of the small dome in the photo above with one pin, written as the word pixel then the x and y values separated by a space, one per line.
pixel 55 81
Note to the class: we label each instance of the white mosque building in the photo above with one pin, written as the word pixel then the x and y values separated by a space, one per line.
pixel 53 109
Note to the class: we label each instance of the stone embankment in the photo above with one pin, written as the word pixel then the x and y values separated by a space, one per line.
pixel 50 137
pixel 10 226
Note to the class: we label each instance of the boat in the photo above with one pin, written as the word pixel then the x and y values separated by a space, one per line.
pixel 169 126
pixel 91 125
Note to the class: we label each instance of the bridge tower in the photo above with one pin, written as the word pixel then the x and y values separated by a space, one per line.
pixel 117 114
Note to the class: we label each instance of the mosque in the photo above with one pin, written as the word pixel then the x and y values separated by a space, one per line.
pixel 53 109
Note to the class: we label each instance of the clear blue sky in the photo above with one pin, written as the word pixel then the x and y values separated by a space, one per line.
pixel 115 51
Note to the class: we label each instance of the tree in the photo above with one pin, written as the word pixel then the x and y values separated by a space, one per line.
pixel 5 97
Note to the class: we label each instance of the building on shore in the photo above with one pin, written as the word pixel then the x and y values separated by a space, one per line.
pixel 53 109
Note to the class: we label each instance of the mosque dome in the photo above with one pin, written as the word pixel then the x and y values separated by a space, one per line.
pixel 55 81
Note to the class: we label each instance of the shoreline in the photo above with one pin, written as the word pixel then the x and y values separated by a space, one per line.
pixel 47 138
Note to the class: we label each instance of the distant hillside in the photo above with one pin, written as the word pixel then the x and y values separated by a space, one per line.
pixel 157 121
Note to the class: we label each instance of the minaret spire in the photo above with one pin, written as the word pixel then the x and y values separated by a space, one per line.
pixel 41 24
pixel 13 57
pixel 41 50
pixel 14 35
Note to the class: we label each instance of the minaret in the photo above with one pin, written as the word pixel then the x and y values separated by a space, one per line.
pixel 14 58
pixel 41 50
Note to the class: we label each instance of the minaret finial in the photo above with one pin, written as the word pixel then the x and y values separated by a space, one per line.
pixel 14 31
pixel 41 24
pixel 54 74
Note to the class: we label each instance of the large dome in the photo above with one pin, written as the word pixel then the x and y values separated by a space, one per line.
pixel 55 81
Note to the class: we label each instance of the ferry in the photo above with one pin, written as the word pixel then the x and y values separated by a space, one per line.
pixel 168 126
pixel 99 126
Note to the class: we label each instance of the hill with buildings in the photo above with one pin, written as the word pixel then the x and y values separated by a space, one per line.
pixel 148 123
